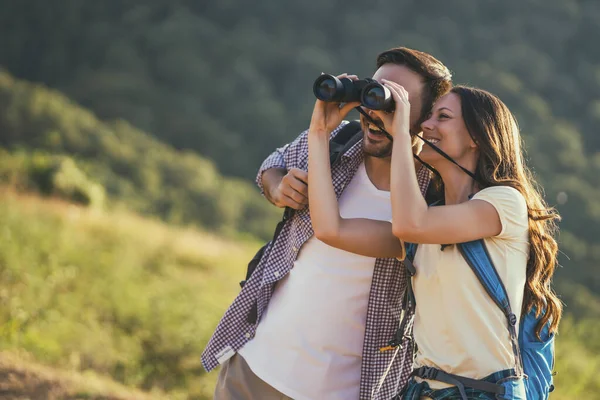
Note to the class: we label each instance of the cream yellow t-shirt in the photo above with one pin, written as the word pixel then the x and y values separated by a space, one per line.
pixel 458 328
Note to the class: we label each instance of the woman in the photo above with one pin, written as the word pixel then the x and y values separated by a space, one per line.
pixel 457 327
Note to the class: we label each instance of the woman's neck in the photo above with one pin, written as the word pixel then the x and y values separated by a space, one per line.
pixel 458 186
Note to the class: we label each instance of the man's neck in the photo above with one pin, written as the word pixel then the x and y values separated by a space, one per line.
pixel 378 171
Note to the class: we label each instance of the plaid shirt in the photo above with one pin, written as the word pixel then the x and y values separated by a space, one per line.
pixel 382 373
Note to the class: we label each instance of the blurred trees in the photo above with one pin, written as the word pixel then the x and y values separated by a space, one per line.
pixel 231 81
pixel 56 147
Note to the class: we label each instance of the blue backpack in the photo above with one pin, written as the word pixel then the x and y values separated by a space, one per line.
pixel 534 358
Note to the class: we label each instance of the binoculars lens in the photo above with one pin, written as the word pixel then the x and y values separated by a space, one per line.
pixel 326 87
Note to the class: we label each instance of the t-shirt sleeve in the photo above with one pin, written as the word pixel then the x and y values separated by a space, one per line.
pixel 511 207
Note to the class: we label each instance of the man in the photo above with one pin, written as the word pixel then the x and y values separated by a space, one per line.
pixel 286 335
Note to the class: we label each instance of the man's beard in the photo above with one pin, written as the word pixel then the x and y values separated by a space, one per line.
pixel 378 150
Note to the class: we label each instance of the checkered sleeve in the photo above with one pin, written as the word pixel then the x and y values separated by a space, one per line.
pixel 423 179
pixel 280 158
pixel 275 160
pixel 291 155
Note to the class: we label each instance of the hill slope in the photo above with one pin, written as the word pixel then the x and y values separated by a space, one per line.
pixel 22 379
pixel 128 297
pixel 41 127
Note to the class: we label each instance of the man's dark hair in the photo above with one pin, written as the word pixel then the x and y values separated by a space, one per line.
pixel 437 79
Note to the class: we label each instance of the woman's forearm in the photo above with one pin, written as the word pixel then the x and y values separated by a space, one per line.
pixel 408 205
pixel 324 209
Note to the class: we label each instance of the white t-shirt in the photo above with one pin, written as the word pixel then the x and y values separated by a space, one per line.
pixel 458 328
pixel 308 344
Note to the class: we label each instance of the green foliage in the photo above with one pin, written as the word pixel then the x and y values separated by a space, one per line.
pixel 223 79
pixel 64 179
pixel 577 360
pixel 75 156
pixel 58 176
pixel 123 296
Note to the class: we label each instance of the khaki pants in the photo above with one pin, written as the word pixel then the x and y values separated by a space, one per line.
pixel 237 382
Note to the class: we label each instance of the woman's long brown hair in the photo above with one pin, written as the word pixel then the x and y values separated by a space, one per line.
pixel 501 162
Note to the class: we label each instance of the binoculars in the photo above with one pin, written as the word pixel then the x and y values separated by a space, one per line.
pixel 370 93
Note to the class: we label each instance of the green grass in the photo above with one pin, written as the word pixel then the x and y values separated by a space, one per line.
pixel 577 360
pixel 124 296
pixel 136 300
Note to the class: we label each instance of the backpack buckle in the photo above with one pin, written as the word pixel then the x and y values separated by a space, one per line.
pixel 427 373
pixel 392 344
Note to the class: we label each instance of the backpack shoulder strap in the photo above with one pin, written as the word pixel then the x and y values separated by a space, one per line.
pixel 411 251
pixel 408 301
pixel 343 140
pixel 477 256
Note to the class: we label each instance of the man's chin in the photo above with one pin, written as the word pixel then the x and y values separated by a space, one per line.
pixel 379 150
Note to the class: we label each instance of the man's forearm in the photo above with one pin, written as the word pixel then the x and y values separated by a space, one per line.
pixel 271 178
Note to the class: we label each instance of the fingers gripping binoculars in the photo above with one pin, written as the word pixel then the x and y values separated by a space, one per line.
pixel 370 93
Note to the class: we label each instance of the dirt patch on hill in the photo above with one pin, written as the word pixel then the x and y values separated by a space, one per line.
pixel 21 385
pixel 22 380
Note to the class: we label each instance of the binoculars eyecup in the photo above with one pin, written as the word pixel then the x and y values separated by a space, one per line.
pixel 377 97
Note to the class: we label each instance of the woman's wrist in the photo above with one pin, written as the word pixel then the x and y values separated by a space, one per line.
pixel 318 131
pixel 403 131
pixel 404 138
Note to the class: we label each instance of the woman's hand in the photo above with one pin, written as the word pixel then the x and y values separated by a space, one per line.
pixel 327 116
pixel 397 122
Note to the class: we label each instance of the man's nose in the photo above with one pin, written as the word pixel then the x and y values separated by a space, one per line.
pixel 366 110
pixel 373 114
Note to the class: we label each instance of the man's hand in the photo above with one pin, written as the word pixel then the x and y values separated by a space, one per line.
pixel 286 189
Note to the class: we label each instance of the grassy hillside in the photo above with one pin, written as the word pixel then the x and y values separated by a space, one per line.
pixel 136 300
pixel 55 145
pixel 123 296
